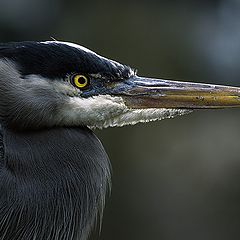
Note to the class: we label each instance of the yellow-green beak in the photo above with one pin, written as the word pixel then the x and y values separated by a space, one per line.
pixel 140 92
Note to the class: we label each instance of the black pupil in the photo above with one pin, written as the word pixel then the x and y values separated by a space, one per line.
pixel 82 80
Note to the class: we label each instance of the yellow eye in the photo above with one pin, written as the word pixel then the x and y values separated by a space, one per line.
pixel 80 81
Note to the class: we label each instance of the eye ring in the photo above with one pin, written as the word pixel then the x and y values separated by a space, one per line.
pixel 80 81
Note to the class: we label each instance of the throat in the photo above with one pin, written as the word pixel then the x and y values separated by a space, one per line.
pixel 53 180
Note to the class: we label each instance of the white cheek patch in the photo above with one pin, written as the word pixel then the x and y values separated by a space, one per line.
pixel 65 88
pixel 92 111
pixel 107 111
pixel 59 86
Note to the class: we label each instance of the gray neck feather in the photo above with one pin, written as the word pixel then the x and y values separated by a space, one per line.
pixel 52 183
pixel 26 103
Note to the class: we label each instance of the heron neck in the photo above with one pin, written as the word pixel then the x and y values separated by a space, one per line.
pixel 57 177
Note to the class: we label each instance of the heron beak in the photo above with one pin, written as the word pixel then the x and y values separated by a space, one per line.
pixel 140 92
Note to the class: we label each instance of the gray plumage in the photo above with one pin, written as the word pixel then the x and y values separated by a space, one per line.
pixel 54 172
pixel 49 187
pixel 53 179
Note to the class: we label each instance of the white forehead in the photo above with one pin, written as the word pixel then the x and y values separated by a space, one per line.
pixel 74 45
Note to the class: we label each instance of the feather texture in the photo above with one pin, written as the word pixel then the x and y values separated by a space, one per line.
pixel 52 183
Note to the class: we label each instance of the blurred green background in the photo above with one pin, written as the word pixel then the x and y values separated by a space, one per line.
pixel 174 179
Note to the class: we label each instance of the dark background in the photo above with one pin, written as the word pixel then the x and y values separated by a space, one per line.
pixel 174 179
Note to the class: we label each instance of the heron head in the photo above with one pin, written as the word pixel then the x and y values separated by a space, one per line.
pixel 45 84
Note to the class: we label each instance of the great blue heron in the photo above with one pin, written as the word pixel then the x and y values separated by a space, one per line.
pixel 54 172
